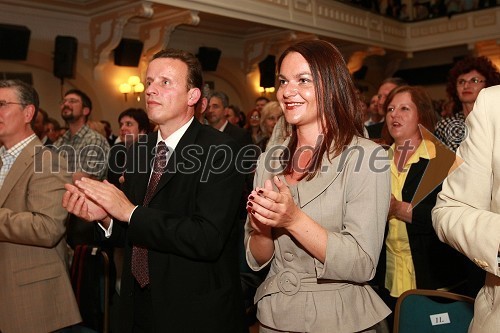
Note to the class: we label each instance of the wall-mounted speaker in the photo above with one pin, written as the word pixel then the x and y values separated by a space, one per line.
pixel 128 52
pixel 209 58
pixel 267 69
pixel 65 56
pixel 14 42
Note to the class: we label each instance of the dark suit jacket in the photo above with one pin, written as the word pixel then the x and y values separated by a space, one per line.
pixel 375 130
pixel 48 142
pixel 111 139
pixel 248 154
pixel 242 137
pixel 436 264
pixel 116 163
pixel 190 231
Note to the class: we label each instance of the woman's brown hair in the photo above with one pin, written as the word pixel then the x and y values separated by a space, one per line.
pixel 426 115
pixel 336 101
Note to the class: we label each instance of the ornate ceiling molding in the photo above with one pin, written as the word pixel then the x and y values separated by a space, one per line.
pixel 490 49
pixel 258 48
pixel 156 33
pixel 106 30
pixel 357 58
pixel 463 29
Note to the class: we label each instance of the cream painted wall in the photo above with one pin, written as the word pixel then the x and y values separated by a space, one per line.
pixel 102 84
pixel 103 90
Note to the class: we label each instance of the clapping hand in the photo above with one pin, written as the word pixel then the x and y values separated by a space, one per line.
pixel 272 209
pixel 75 202
pixel 95 200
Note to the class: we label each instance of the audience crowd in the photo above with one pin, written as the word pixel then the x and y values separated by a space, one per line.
pixel 415 10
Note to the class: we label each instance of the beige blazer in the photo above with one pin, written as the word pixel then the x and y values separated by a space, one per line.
pixel 35 290
pixel 350 198
pixel 467 213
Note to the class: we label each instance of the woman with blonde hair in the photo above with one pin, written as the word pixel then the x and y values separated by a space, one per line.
pixel 97 126
pixel 269 116
pixel 253 125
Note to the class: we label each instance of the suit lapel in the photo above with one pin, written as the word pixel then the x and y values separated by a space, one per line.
pixel 328 173
pixel 22 162
pixel 330 170
pixel 416 170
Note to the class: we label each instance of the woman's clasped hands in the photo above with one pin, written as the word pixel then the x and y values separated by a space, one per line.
pixel 268 208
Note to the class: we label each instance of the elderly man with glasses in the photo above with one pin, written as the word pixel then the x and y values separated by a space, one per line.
pixel 35 293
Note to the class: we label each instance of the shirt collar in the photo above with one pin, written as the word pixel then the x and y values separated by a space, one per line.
pixel 18 147
pixel 80 133
pixel 426 149
pixel 173 139
pixel 223 127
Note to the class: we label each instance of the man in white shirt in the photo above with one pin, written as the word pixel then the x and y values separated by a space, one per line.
pixel 187 279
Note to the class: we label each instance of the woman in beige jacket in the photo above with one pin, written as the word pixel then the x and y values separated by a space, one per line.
pixel 318 211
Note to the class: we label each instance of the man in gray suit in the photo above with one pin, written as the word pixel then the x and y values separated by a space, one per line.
pixel 467 212
pixel 35 293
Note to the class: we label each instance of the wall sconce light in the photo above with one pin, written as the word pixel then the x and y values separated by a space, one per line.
pixel 266 90
pixel 133 85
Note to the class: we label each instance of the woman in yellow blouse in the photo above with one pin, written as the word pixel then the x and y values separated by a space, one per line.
pixel 415 258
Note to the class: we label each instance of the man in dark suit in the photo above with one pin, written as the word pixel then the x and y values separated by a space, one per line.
pixel 215 115
pixel 110 136
pixel 189 280
pixel 216 118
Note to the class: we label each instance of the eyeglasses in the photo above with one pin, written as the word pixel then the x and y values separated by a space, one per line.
pixel 69 101
pixel 5 103
pixel 255 117
pixel 473 81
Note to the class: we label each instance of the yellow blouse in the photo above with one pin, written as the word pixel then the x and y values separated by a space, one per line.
pixel 400 274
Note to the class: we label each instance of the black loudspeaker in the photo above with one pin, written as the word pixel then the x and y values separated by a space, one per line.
pixel 209 58
pixel 14 41
pixel 267 68
pixel 128 52
pixel 65 56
